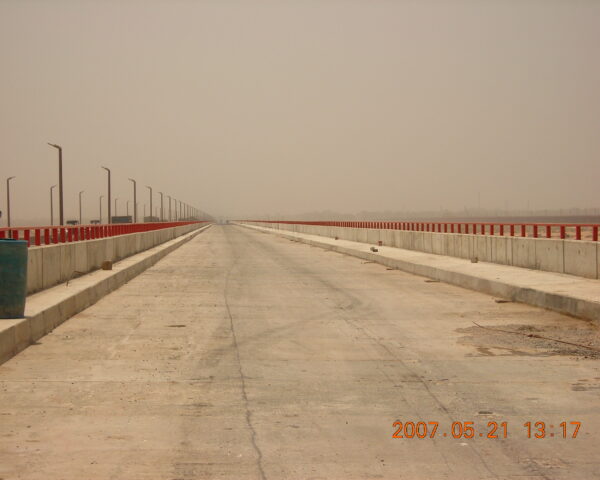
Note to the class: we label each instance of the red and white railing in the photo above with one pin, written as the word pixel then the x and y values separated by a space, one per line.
pixel 574 231
pixel 49 235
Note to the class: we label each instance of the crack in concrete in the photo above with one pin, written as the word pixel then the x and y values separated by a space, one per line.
pixel 253 435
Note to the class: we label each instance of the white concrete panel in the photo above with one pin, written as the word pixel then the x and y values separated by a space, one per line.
pixel 581 258
pixel 81 257
pixel 427 242
pixel 67 261
pixel 523 250
pixel 499 248
pixel 549 255
pixel 373 236
pixel 438 243
pixel 34 269
pixel 51 265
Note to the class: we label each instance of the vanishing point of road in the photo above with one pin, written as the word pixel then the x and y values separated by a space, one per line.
pixel 244 355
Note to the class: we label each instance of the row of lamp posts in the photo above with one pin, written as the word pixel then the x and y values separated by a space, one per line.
pixel 189 211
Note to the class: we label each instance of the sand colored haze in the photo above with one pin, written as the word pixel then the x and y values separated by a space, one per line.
pixel 247 108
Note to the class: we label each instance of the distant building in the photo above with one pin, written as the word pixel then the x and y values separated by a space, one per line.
pixel 95 222
pixel 72 222
pixel 151 219
pixel 122 219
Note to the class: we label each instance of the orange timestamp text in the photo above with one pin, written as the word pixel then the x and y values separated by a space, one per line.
pixel 490 429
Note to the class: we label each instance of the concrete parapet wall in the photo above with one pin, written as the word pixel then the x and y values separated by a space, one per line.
pixel 53 264
pixel 575 257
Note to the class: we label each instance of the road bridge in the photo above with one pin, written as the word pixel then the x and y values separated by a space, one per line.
pixel 245 355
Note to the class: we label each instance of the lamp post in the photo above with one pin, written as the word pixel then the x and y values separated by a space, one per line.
pixel 100 217
pixel 108 171
pixel 150 188
pixel 80 222
pixel 169 207
pixel 8 200
pixel 116 214
pixel 127 207
pixel 134 200
pixel 161 207
pixel 52 205
pixel 60 183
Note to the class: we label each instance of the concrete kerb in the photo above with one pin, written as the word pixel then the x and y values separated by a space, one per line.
pixel 49 308
pixel 563 302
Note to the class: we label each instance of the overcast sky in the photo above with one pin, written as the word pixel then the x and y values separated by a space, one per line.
pixel 248 107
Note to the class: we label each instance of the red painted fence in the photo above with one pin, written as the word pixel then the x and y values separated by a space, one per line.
pixel 36 236
pixel 576 231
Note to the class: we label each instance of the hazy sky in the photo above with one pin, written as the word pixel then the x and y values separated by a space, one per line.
pixel 247 107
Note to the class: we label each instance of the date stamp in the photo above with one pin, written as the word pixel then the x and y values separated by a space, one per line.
pixel 490 429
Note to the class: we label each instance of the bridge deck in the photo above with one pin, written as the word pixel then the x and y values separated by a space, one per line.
pixel 245 355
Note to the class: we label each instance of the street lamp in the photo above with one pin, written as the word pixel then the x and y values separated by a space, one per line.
pixel 127 207
pixel 150 188
pixel 134 200
pixel 60 183
pixel 108 171
pixel 80 222
pixel 100 217
pixel 52 205
pixel 116 214
pixel 169 207
pixel 161 206
pixel 8 200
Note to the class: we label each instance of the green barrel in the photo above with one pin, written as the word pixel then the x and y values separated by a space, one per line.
pixel 13 278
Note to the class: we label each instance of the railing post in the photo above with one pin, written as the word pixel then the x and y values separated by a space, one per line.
pixel 38 239
pixel 548 231
pixel 563 232
pixel 26 235
pixel 578 232
pixel 595 233
pixel 523 230
pixel 535 231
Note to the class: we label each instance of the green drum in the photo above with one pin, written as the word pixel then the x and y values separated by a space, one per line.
pixel 13 278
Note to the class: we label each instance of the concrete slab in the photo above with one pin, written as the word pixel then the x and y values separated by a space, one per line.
pixel 482 248
pixel 51 268
pixel 67 262
pixel 81 257
pixel 523 253
pixel 581 258
pixel 499 250
pixel 549 255
pixel 34 269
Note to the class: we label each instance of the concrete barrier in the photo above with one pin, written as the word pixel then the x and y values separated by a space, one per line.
pixel 574 257
pixel 53 264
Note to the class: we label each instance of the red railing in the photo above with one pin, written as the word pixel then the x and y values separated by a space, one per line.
pixel 49 235
pixel 575 231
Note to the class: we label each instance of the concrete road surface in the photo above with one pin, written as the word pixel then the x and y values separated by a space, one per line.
pixel 246 356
